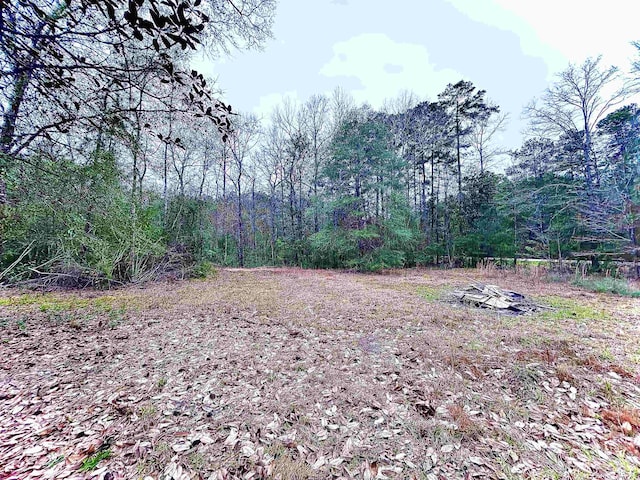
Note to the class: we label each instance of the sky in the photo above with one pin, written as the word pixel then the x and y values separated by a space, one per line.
pixel 375 49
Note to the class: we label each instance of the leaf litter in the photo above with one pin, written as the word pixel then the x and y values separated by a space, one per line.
pixel 293 374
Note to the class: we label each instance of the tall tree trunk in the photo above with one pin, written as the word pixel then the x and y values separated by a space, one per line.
pixel 253 212
pixel 240 231
pixel 586 150
pixel 10 117
pixel 423 197
pixel 12 112
pixel 316 167
pixel 300 204
pixel 224 174
pixel 165 171
pixel 292 205
pixel 378 182
pixel 272 220
pixel 6 140
pixel 316 219
pixel 458 160
pixel 433 198
pixel 283 209
pixel 415 186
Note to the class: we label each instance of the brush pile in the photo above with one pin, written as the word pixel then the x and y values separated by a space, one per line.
pixel 495 298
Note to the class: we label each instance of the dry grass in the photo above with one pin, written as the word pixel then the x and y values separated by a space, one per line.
pixel 294 374
pixel 286 468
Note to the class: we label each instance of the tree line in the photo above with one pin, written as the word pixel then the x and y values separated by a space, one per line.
pixel 119 163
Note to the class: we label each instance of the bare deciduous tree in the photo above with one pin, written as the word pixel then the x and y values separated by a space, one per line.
pixel 482 138
pixel 573 106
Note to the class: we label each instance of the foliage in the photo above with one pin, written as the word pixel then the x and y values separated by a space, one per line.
pixel 189 227
pixel 90 463
pixel 69 54
pixel 203 269
pixel 84 79
pixel 368 245
pixel 329 184
pixel 79 219
pixel 613 285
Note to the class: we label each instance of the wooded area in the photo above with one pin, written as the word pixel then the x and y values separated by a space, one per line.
pixel 119 162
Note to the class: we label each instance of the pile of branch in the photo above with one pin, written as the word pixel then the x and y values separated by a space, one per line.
pixel 63 273
pixel 65 279
pixel 495 298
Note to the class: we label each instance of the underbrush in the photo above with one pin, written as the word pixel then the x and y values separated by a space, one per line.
pixel 572 274
pixel 616 286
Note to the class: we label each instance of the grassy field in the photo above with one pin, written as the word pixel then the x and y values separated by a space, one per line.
pixel 294 374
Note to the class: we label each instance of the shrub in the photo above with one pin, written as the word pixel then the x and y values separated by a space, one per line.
pixel 616 286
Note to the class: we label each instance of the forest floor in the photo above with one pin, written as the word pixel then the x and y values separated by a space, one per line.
pixel 298 374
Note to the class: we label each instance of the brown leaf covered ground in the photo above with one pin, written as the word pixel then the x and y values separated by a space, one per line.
pixel 294 374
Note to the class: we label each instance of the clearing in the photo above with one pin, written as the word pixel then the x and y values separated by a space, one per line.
pixel 294 374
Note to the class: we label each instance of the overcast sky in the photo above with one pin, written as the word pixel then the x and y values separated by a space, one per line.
pixel 377 48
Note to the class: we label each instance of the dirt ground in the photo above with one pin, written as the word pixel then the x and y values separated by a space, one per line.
pixel 294 374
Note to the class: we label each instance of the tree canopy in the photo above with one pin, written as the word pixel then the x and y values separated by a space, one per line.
pixel 104 123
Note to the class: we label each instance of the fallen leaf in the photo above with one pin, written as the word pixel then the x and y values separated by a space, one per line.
pixel 35 450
